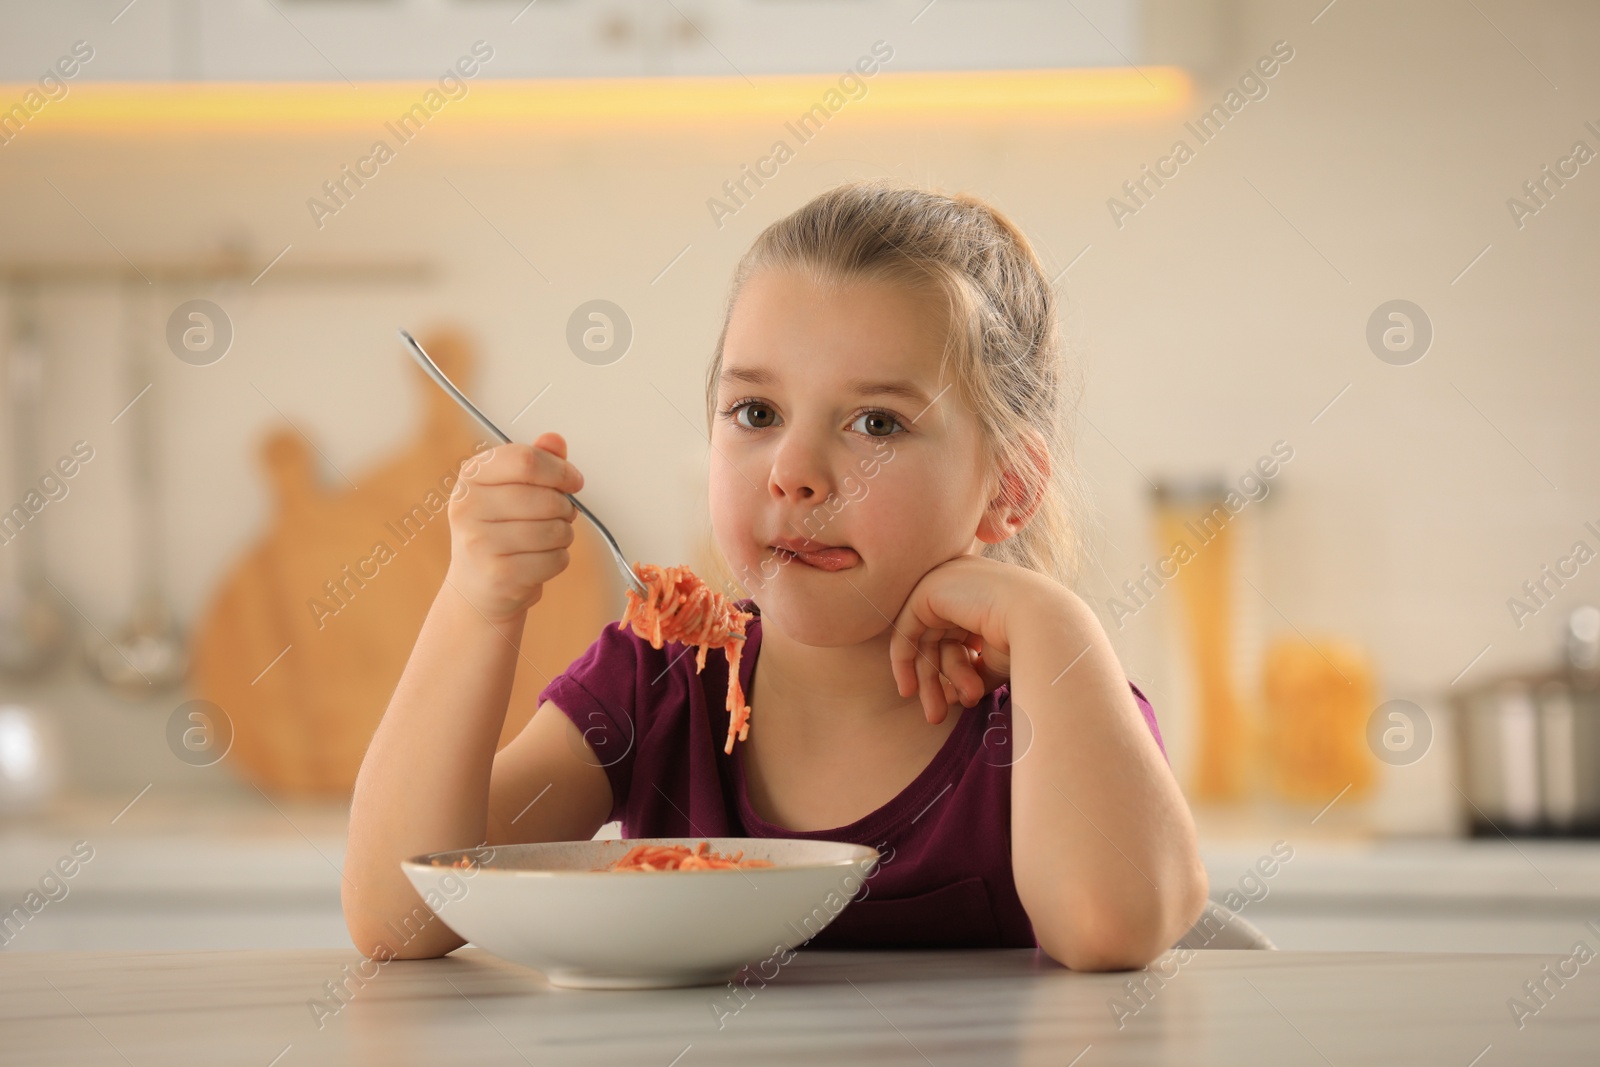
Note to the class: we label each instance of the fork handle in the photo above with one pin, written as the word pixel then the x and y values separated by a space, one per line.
pixel 432 369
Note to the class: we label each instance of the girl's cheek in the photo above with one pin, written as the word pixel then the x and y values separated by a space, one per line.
pixel 913 511
pixel 735 505
pixel 888 516
pixel 723 501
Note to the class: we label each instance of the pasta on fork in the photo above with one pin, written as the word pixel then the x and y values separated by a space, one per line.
pixel 681 607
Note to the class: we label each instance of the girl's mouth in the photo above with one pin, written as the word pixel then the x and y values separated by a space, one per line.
pixel 826 559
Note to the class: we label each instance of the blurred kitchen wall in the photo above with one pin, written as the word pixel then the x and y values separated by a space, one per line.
pixel 1226 313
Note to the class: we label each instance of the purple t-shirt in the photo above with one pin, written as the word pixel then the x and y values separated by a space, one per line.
pixel 943 879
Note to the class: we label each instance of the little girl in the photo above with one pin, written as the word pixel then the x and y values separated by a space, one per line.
pixel 888 480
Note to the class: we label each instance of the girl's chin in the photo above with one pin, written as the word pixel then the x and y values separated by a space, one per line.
pixel 828 621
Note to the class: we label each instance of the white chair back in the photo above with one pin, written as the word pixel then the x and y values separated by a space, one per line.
pixel 1218 927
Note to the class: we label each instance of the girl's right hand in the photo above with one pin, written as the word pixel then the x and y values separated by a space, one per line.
pixel 510 525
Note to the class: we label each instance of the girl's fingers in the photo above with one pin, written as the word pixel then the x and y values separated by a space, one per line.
pixel 950 665
pixel 917 658
pixel 934 704
pixel 904 671
pixel 902 660
pixel 513 536
pixel 518 501
pixel 927 680
pixel 514 463
pixel 955 660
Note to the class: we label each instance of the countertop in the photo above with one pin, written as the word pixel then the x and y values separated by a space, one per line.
pixel 173 872
pixel 1008 1006
pixel 163 845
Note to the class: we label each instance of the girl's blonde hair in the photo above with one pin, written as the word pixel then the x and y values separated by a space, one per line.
pixel 1004 351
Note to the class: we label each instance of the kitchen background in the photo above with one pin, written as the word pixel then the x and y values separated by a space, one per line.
pixel 1361 297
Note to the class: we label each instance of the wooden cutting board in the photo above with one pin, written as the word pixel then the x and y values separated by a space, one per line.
pixel 306 636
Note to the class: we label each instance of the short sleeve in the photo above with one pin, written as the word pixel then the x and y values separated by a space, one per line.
pixel 599 692
pixel 1149 714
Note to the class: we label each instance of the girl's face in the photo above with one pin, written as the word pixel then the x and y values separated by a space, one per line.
pixel 842 468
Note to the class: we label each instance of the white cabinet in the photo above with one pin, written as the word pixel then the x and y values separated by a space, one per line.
pixel 303 40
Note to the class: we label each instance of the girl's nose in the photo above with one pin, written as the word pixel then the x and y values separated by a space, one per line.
pixel 798 471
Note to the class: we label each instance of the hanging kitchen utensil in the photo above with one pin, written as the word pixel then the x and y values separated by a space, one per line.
pixel 33 623
pixel 148 652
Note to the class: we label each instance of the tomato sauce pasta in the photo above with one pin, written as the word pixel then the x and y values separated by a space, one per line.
pixel 680 858
pixel 682 608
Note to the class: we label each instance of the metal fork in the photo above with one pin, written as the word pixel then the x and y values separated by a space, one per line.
pixel 433 371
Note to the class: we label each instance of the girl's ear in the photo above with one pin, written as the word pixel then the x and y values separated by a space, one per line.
pixel 1016 502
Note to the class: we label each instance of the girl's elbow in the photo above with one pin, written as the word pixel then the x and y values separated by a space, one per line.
pixel 1124 934
pixel 420 951
pixel 1197 894
pixel 379 943
pixel 1106 945
pixel 418 935
pixel 1078 957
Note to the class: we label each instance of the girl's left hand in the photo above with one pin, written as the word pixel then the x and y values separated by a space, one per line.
pixel 950 641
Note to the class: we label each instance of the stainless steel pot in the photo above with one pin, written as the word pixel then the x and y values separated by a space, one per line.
pixel 1530 757
pixel 1529 745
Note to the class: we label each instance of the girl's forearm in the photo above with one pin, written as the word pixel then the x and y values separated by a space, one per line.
pixel 424 783
pixel 1103 844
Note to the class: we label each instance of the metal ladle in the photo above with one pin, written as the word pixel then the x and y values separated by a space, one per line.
pixel 433 371
pixel 148 652
pixel 33 626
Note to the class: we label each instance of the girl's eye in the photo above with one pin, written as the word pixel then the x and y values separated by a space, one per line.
pixel 877 424
pixel 760 415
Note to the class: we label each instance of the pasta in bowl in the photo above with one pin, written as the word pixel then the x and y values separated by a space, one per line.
pixel 645 913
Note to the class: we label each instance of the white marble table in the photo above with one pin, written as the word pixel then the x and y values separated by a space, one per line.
pixel 978 1007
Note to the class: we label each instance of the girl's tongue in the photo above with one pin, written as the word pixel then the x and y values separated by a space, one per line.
pixel 826 559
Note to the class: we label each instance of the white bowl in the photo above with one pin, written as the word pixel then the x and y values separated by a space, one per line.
pixel 546 907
